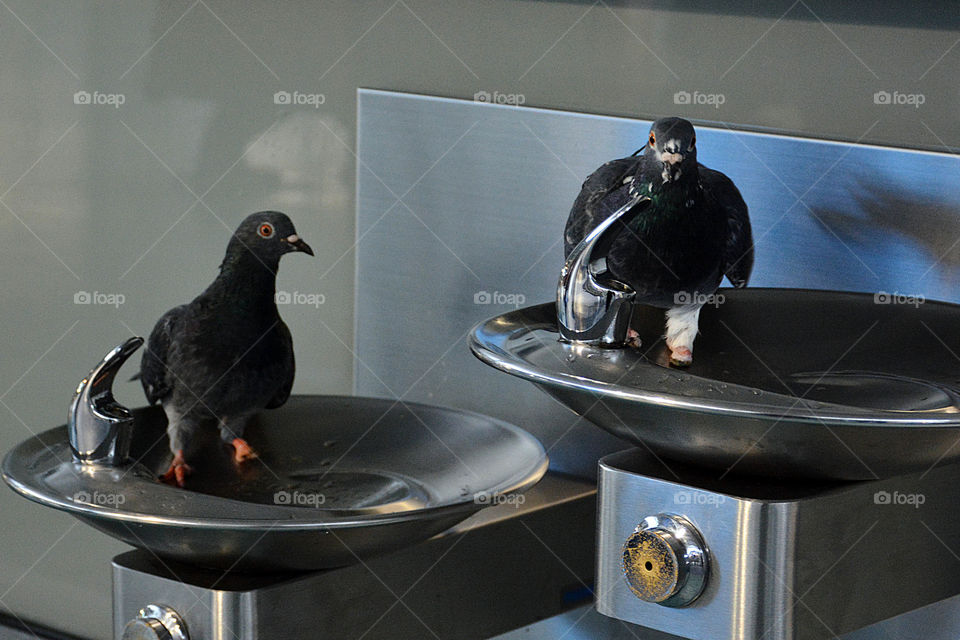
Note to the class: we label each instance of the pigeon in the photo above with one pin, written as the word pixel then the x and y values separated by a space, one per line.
pixel 694 231
pixel 227 354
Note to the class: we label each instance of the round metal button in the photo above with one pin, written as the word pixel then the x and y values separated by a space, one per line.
pixel 155 622
pixel 665 561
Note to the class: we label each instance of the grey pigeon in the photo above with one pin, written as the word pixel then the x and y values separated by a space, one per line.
pixel 226 355
pixel 674 254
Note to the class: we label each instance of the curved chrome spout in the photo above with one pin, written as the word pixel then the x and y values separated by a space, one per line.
pixel 589 310
pixel 99 427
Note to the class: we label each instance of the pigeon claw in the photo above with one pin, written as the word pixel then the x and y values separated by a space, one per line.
pixel 178 471
pixel 242 451
pixel 681 357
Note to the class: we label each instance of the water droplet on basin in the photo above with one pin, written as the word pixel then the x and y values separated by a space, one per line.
pixel 330 443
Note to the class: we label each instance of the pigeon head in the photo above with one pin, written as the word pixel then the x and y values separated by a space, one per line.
pixel 268 235
pixel 672 149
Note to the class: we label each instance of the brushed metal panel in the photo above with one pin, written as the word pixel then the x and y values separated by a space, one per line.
pixel 789 561
pixel 457 198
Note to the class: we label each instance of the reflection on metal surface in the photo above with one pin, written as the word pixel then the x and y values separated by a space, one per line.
pixel 786 382
pixel 397 474
pixel 592 307
pixel 156 622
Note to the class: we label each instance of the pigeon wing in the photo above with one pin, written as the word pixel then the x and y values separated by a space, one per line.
pixel 587 211
pixel 737 261
pixel 290 366
pixel 155 375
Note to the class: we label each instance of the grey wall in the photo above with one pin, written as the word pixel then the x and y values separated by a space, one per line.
pixel 139 200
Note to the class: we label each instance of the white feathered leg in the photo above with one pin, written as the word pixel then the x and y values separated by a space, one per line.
pixel 682 323
pixel 177 432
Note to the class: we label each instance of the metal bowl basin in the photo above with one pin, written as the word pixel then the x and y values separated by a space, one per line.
pixel 338 479
pixel 785 382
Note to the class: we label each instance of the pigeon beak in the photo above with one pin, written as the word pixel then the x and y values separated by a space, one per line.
pixel 298 244
pixel 671 165
pixel 671 158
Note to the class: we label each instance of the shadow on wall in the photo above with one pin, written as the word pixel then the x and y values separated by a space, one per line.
pixel 898 229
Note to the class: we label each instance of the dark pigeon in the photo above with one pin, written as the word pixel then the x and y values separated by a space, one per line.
pixel 675 253
pixel 226 355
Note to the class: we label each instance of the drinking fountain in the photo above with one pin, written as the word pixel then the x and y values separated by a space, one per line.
pixel 795 483
pixel 346 490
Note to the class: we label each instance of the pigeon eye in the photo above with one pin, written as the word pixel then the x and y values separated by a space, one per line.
pixel 265 230
pixel 653 139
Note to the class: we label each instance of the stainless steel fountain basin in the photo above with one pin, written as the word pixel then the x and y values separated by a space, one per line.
pixel 785 382
pixel 338 479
